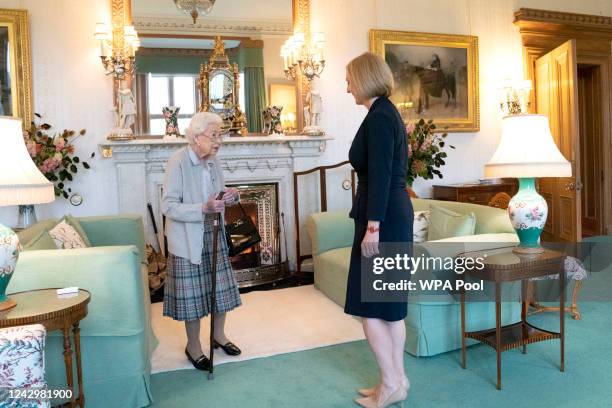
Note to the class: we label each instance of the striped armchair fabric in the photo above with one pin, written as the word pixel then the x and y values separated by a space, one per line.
pixel 22 363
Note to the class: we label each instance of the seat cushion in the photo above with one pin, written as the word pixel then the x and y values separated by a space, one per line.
pixel 444 223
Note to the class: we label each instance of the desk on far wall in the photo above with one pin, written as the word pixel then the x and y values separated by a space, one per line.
pixel 473 193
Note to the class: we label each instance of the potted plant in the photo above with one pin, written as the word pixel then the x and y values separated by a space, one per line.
pixel 425 152
pixel 54 155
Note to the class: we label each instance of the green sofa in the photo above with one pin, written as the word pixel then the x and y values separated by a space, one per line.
pixel 432 323
pixel 116 336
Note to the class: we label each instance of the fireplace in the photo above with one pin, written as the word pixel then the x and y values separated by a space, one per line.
pixel 262 263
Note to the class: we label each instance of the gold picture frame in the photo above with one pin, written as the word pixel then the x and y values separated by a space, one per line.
pixel 17 31
pixel 436 76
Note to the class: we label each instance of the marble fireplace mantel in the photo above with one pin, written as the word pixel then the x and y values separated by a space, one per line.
pixel 141 164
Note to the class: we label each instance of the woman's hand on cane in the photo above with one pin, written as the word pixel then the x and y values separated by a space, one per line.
pixel 213 205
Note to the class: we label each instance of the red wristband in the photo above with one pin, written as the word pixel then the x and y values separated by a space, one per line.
pixel 372 230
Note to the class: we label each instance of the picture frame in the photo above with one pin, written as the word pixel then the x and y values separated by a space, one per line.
pixel 16 81
pixel 436 77
pixel 284 93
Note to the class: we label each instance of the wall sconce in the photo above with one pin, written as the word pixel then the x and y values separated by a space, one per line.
pixel 514 97
pixel 300 55
pixel 117 49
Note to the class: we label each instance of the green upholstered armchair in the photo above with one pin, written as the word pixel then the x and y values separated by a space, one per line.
pixel 116 336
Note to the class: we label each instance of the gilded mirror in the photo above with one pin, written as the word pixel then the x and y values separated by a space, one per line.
pixel 173 49
pixel 15 66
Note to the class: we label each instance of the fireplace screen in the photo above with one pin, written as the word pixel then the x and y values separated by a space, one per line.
pixel 261 263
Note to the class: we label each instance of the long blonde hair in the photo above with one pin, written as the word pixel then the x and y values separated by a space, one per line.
pixel 370 76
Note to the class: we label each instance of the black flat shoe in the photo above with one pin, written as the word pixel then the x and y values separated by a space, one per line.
pixel 229 348
pixel 202 363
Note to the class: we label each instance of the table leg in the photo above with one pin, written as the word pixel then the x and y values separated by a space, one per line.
pixel 562 316
pixel 68 363
pixel 498 331
pixel 76 331
pixel 525 305
pixel 462 327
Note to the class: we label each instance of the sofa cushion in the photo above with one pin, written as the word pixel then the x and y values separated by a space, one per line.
pixel 420 226
pixel 41 241
pixel 445 223
pixel 488 219
pixel 66 236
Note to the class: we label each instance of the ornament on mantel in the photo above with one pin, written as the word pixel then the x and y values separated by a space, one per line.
pixel 171 117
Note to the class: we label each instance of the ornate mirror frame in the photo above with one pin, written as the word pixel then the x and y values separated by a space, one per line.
pixel 21 66
pixel 122 11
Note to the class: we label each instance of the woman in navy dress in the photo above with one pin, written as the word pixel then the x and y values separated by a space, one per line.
pixel 382 212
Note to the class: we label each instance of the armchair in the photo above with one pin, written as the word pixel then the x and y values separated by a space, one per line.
pixel 116 336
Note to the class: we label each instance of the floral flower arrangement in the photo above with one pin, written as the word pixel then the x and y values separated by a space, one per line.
pixel 54 155
pixel 425 151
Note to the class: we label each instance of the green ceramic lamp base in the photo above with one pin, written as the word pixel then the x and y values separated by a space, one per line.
pixel 528 212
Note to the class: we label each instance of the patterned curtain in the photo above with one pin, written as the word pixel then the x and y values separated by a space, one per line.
pixel 255 97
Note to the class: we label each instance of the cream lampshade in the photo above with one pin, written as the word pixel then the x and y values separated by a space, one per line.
pixel 527 150
pixel 20 183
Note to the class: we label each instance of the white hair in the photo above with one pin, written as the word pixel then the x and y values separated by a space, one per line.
pixel 199 123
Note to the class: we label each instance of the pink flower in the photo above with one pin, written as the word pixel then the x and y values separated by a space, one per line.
pixel 49 165
pixel 410 128
pixel 426 143
pixel 59 143
pixel 31 146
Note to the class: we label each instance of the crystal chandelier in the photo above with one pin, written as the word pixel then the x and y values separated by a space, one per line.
pixel 302 55
pixel 117 49
pixel 514 97
pixel 194 8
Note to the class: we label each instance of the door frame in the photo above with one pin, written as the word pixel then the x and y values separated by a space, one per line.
pixel 544 30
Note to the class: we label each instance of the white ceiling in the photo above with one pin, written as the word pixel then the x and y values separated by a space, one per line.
pixel 245 10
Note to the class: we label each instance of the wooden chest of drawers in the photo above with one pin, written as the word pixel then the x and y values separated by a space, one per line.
pixel 472 193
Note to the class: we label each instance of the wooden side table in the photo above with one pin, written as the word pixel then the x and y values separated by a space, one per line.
pixel 54 312
pixel 472 193
pixel 503 265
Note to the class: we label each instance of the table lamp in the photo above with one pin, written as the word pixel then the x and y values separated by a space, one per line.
pixel 20 183
pixel 527 150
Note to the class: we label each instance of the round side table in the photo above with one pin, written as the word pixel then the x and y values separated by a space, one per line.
pixel 55 312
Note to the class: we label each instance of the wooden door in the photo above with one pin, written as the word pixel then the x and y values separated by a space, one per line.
pixel 556 81
pixel 591 148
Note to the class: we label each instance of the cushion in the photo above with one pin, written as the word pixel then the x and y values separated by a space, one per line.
pixel 77 226
pixel 421 224
pixel 66 236
pixel 445 223
pixel 22 352
pixel 42 241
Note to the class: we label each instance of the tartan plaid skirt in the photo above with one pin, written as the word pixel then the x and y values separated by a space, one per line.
pixel 187 295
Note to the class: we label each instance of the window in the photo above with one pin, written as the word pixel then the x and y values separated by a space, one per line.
pixel 171 90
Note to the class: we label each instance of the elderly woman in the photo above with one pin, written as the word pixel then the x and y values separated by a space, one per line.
pixel 192 185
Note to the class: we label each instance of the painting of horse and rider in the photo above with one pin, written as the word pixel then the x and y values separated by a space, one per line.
pixel 436 77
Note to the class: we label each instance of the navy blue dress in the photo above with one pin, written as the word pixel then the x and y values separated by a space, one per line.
pixel 379 155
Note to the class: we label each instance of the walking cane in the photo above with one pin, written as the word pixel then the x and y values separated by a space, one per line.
pixel 213 297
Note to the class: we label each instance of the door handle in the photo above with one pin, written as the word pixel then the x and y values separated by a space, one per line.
pixel 579 185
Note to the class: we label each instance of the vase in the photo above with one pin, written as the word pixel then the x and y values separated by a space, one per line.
pixel 528 211
pixel 272 120
pixel 171 117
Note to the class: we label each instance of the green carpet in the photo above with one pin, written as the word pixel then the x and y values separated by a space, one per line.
pixel 328 377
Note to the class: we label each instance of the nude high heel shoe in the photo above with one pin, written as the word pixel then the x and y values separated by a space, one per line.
pixel 367 392
pixel 394 397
